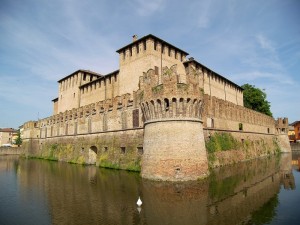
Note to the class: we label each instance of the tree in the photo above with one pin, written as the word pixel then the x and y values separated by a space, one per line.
pixel 256 99
pixel 18 139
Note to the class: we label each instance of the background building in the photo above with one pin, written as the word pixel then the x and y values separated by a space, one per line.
pixel 8 136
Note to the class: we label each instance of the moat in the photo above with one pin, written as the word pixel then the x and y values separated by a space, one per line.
pixel 262 191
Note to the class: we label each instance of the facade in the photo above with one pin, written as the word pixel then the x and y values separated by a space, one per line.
pixel 8 136
pixel 296 136
pixel 152 114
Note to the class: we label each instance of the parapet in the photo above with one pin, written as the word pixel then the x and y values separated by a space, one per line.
pixel 165 97
pixel 282 125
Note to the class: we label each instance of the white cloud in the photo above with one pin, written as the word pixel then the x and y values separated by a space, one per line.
pixel 265 43
pixel 257 76
pixel 146 8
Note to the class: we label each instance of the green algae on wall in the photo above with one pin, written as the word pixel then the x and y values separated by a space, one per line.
pixel 224 148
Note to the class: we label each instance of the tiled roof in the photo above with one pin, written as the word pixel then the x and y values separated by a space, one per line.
pixel 77 71
pixel 150 36
pixel 7 130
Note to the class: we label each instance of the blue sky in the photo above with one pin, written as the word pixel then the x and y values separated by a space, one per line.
pixel 41 41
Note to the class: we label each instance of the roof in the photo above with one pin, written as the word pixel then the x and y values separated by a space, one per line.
pixel 80 70
pixel 224 78
pixel 99 78
pixel 155 38
pixel 8 130
pixel 294 123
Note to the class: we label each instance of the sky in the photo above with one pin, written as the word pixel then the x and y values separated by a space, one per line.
pixel 42 41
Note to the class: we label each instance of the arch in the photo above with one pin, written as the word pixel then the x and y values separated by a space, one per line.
pixel 181 106
pixel 167 105
pixel 93 150
pixel 194 108
pixel 174 107
pixel 159 108
pixel 153 109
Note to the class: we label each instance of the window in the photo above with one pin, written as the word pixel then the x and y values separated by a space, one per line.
pixel 145 46
pixel 140 150
pixel 240 126
pixel 123 150
pixel 84 76
pixel 105 149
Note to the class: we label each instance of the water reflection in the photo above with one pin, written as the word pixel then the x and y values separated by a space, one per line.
pixel 245 193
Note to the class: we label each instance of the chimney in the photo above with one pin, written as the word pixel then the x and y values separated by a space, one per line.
pixel 134 38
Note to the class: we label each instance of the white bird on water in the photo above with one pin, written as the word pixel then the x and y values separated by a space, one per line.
pixel 139 202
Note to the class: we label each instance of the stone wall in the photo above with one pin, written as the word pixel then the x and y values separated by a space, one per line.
pixel 10 150
pixel 118 150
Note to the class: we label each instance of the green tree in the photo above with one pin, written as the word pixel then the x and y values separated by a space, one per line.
pixel 19 139
pixel 256 99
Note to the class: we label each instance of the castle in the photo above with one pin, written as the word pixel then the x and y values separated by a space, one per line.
pixel 153 114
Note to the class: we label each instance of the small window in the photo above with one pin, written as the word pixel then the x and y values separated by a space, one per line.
pixel 84 76
pixel 74 95
pixel 137 49
pixel 140 150
pixel 91 78
pixel 105 149
pixel 268 130
pixel 123 150
pixel 155 45
pixel 240 126
pixel 145 46
pixel 156 69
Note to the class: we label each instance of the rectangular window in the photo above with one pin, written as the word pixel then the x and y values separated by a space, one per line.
pixel 156 69
pixel 240 126
pixel 140 150
pixel 135 118
pixel 84 76
pixel 123 150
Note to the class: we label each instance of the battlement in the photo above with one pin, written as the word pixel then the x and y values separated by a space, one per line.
pixel 282 125
pixel 150 44
pixel 165 97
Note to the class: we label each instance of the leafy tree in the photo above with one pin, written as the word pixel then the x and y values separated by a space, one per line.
pixel 256 99
pixel 19 139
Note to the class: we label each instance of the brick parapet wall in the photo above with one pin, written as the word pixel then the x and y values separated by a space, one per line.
pixel 221 114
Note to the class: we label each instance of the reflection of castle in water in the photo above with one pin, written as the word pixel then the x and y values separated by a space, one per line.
pixel 231 195
pixel 287 178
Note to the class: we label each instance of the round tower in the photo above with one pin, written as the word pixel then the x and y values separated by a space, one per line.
pixel 174 147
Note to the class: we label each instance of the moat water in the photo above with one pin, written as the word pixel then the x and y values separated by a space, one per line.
pixel 263 191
